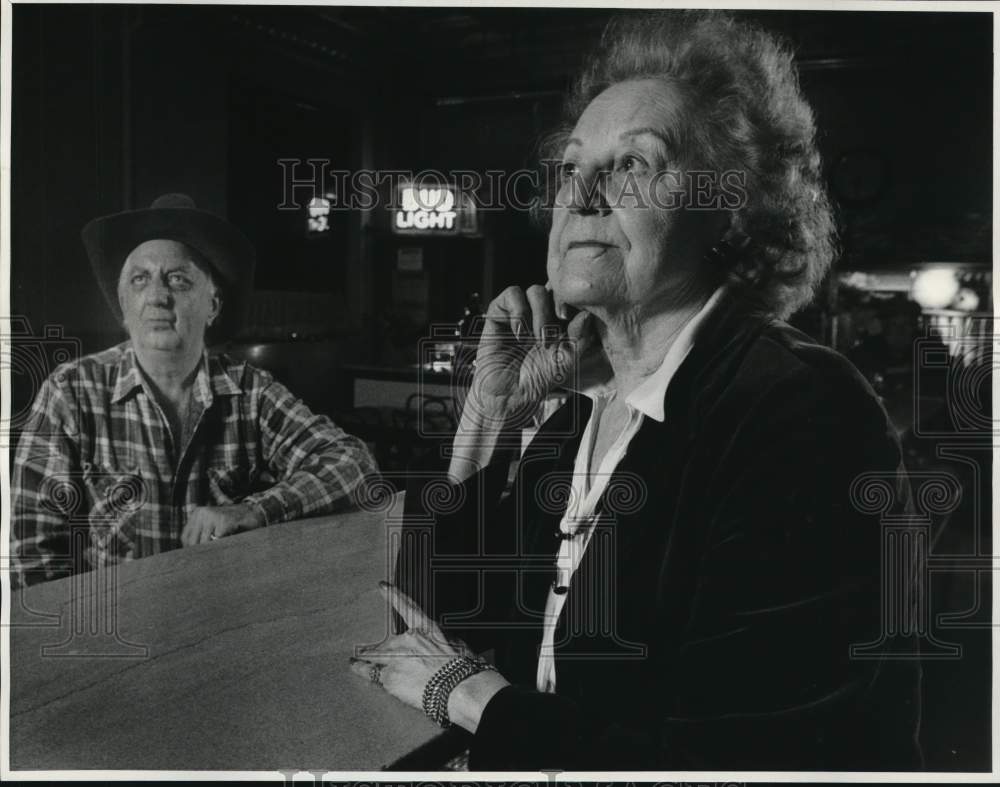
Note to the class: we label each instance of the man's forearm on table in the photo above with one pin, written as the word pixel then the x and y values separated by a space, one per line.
pixel 312 492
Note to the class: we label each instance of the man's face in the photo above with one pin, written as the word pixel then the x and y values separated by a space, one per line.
pixel 167 297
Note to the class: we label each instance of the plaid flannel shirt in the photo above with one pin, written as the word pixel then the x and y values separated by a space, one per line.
pixel 97 479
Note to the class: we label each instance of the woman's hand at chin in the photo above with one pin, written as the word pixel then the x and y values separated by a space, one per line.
pixel 524 353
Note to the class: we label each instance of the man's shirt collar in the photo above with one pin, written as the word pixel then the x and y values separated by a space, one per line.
pixel 212 379
pixel 128 377
pixel 218 377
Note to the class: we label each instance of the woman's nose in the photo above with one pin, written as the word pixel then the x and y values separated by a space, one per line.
pixel 586 192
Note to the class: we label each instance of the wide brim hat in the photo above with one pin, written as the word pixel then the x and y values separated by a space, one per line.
pixel 110 239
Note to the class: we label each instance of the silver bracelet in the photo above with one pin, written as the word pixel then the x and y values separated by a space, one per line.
pixel 442 682
pixel 430 701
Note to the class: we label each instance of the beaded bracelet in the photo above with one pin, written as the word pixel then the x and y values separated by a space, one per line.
pixel 442 682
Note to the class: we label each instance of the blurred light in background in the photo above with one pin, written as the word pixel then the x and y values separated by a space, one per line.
pixel 967 300
pixel 935 288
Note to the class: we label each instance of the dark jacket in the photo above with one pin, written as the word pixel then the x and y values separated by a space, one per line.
pixel 709 624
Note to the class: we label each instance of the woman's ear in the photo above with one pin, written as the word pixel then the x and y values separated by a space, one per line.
pixel 732 230
pixel 720 225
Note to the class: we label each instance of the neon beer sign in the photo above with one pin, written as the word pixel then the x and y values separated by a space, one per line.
pixel 426 209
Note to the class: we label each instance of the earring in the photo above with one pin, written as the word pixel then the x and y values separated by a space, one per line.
pixel 730 246
pixel 719 253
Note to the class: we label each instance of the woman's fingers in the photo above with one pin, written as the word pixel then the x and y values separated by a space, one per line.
pixel 361 667
pixel 543 315
pixel 580 328
pixel 583 347
pixel 508 313
pixel 375 672
pixel 557 305
pixel 570 345
pixel 512 378
pixel 392 647
pixel 517 311
pixel 408 609
pixel 506 316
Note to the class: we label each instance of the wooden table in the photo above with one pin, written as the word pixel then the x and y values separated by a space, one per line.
pixel 231 655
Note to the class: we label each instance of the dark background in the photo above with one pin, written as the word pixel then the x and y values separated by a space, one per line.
pixel 115 105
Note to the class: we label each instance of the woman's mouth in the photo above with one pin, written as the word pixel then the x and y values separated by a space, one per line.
pixel 588 244
pixel 587 249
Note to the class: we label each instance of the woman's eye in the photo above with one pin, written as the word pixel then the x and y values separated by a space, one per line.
pixel 178 282
pixel 139 278
pixel 567 170
pixel 630 164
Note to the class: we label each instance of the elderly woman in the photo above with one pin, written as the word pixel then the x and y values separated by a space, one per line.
pixel 676 578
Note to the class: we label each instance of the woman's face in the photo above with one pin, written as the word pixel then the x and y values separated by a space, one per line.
pixel 618 244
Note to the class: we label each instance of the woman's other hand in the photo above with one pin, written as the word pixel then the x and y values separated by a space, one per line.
pixel 524 353
pixel 405 663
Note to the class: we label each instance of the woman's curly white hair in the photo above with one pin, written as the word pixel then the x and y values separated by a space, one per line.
pixel 744 112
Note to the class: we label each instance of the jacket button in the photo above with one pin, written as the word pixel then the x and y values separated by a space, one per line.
pixel 560 590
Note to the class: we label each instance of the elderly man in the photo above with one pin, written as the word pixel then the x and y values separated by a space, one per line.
pixel 154 444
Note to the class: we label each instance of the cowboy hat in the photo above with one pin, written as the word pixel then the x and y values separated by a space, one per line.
pixel 110 239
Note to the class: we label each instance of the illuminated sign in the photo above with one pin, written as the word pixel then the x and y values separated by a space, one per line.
pixel 318 220
pixel 433 210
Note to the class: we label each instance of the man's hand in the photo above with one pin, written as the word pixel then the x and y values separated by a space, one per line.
pixel 207 523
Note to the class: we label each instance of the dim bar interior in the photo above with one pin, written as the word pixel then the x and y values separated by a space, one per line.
pixel 332 137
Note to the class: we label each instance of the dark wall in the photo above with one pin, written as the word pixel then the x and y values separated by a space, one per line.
pixel 113 105
pixel 500 134
pixel 908 95
pixel 70 160
pixel 178 111
pixel 108 112
pixel 268 126
pixel 918 108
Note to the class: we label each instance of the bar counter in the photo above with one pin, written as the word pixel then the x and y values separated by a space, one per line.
pixel 231 655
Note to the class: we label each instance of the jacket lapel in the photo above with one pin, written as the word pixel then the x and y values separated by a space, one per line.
pixel 535 506
pixel 641 550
